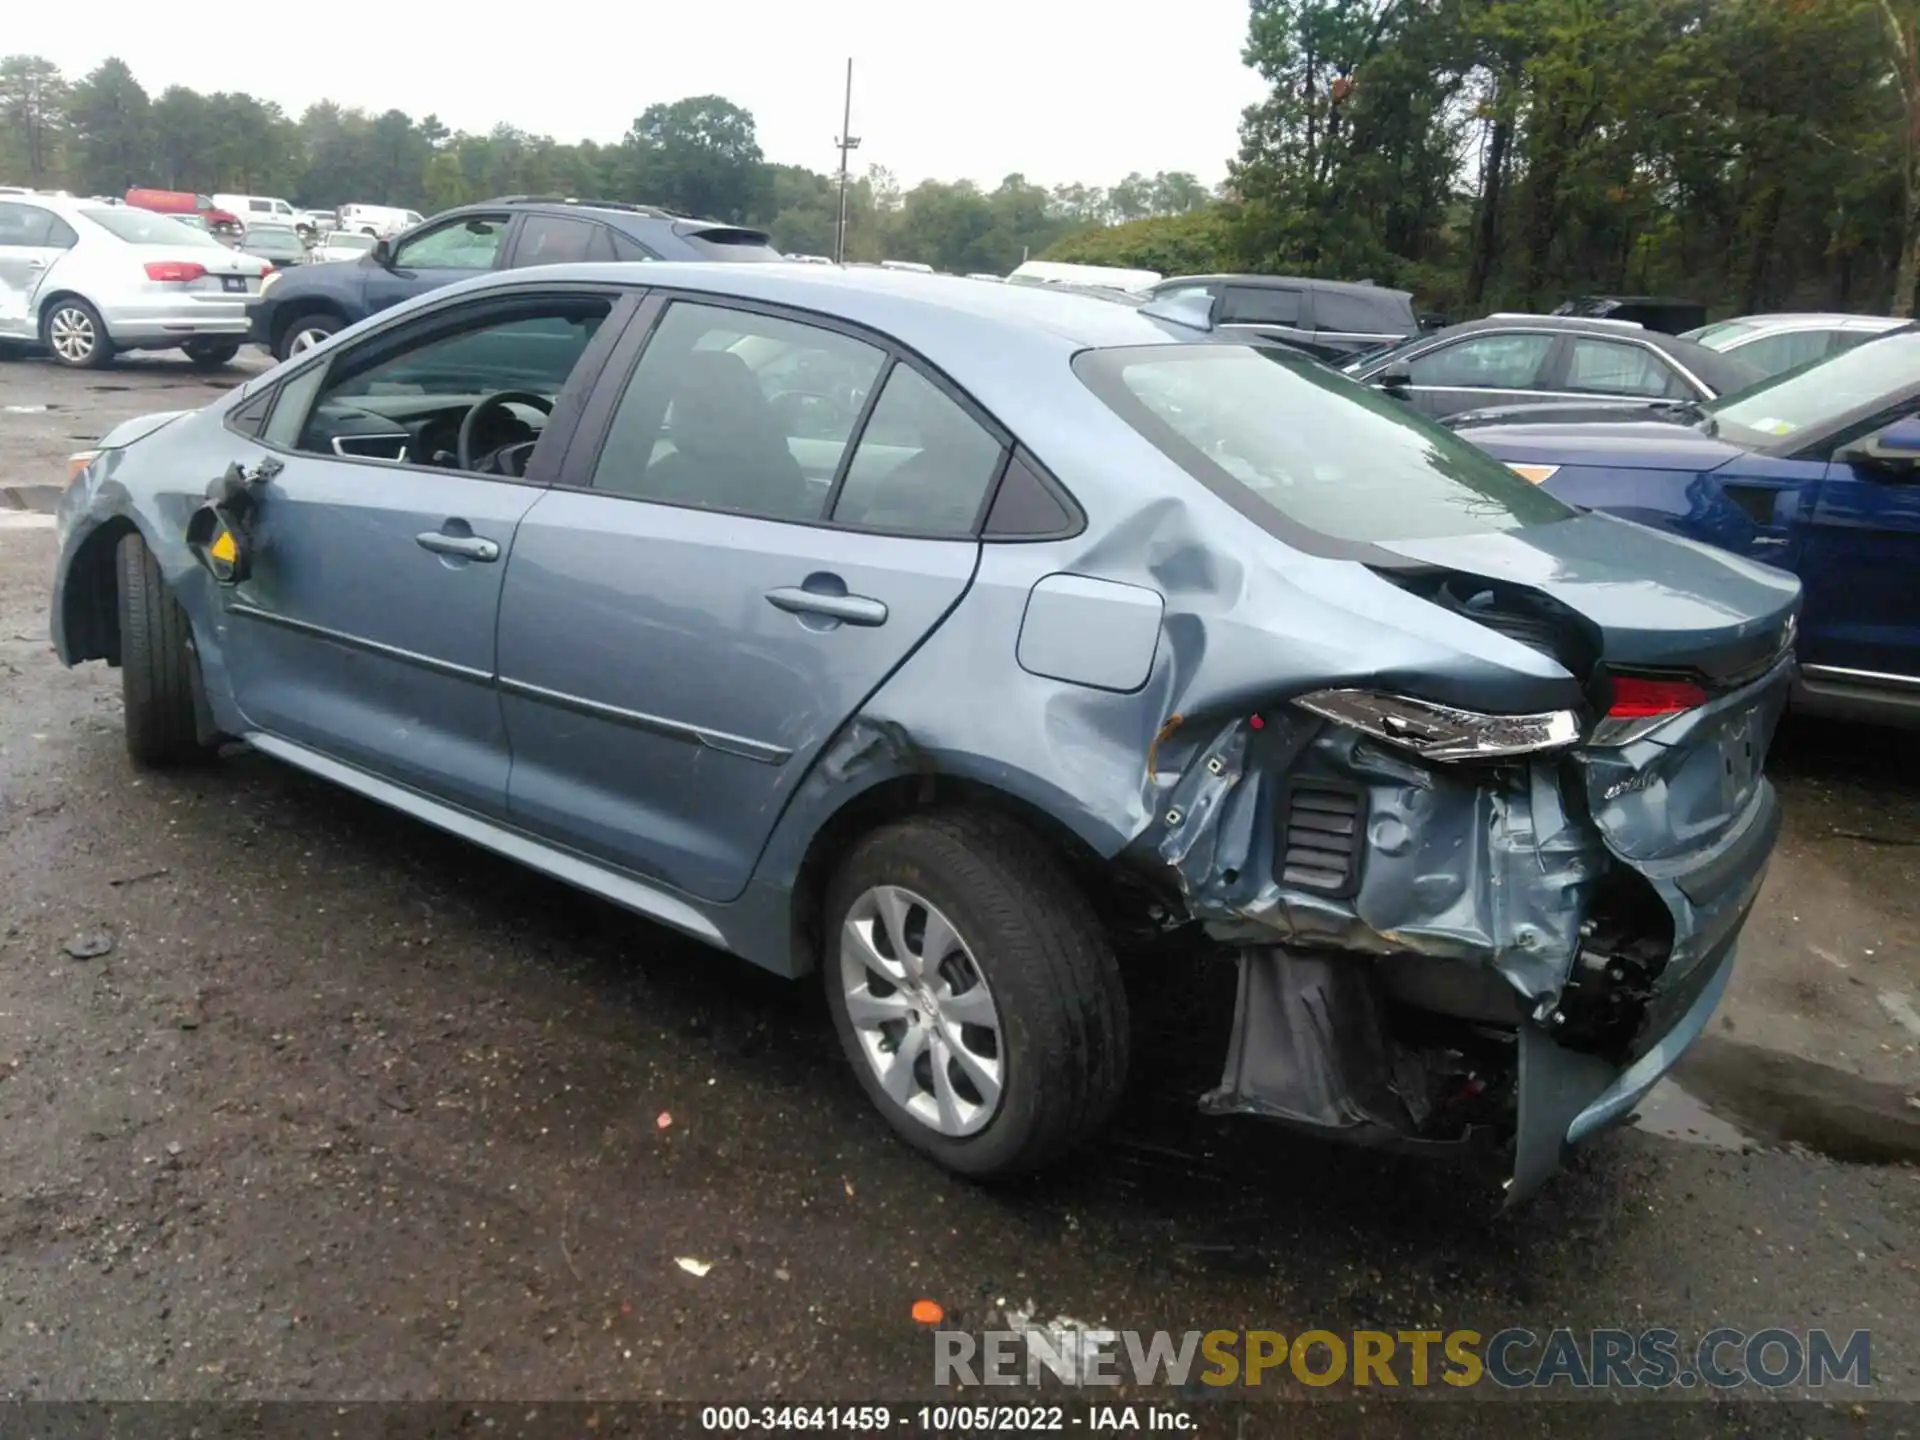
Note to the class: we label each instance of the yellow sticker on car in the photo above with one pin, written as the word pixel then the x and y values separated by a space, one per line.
pixel 223 549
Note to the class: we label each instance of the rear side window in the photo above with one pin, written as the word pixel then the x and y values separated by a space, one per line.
pixel 1607 367
pixel 1297 447
pixel 1484 362
pixel 1259 305
pixel 923 464
pixel 25 225
pixel 1383 313
pixel 560 240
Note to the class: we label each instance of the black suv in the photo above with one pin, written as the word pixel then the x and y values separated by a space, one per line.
pixel 1329 319
pixel 303 306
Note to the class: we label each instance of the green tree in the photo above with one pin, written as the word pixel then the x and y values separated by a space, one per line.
pixel 110 124
pixel 699 156
pixel 33 115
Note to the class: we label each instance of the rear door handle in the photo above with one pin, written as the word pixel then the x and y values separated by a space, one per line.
pixel 470 547
pixel 853 609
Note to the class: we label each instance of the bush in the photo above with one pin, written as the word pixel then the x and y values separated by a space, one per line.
pixel 1196 243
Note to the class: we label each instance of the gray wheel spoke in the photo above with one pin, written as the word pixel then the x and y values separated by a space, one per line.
pixel 972 1006
pixel 868 1010
pixel 984 1073
pixel 945 1100
pixel 898 1079
pixel 857 948
pixel 937 942
pixel 894 905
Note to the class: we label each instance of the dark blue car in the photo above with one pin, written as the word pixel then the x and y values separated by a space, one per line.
pixel 301 307
pixel 1817 472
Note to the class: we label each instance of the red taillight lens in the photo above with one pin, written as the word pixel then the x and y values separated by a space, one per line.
pixel 1638 699
pixel 174 272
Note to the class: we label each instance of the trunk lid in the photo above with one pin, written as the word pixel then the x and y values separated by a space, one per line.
pixel 1651 601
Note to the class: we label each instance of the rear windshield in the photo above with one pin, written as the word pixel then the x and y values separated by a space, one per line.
pixel 1299 447
pixel 721 243
pixel 143 227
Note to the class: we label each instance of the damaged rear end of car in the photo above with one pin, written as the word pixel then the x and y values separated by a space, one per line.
pixel 1485 855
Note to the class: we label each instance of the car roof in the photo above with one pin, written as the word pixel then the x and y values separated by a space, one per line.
pixel 924 312
pixel 1291 282
pixel 618 211
pixel 1725 373
pixel 1812 320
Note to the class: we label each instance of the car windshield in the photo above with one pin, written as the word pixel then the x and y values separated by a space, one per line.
pixel 143 227
pixel 1821 393
pixel 349 242
pixel 1308 445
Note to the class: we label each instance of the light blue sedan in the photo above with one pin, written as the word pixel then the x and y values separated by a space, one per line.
pixel 933 634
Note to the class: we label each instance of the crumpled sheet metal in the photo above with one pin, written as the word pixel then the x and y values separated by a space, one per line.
pixel 1480 864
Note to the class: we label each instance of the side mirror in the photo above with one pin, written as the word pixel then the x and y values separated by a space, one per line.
pixel 383 253
pixel 219 543
pixel 1892 449
pixel 1396 380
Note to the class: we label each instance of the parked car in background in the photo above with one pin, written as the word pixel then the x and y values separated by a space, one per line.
pixel 1547 359
pixel 922 632
pixel 221 221
pixel 1331 319
pixel 87 281
pixel 341 245
pixel 1651 312
pixel 1816 471
pixel 301 308
pixel 278 245
pixel 380 221
pixel 271 208
pixel 1775 343
pixel 1061 272
pixel 325 221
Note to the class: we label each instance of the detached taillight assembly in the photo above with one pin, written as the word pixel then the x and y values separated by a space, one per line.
pixel 1444 732
pixel 174 272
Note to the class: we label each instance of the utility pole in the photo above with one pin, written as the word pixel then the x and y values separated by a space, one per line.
pixel 847 142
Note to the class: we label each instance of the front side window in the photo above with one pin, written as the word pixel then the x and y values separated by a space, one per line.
pixel 1259 305
pixel 923 464
pixel 27 226
pixel 469 244
pixel 1609 367
pixel 729 410
pixel 407 399
pixel 1485 362
pixel 1299 447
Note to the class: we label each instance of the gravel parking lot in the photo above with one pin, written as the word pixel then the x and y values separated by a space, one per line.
pixel 347 1109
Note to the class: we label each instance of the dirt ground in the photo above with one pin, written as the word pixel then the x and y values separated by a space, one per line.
pixel 350 1110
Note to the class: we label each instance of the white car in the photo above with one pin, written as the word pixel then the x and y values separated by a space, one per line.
pixel 341 245
pixel 87 281
pixel 270 209
pixel 383 222
pixel 1773 343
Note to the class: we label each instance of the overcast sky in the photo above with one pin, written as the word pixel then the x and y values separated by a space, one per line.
pixel 1061 90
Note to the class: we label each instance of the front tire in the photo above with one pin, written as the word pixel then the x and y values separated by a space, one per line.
pixel 975 993
pixel 75 335
pixel 156 664
pixel 211 354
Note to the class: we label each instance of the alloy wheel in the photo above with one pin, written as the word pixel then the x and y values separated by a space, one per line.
pixel 921 1011
pixel 306 338
pixel 71 334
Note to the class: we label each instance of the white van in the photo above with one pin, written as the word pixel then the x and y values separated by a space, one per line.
pixel 1057 272
pixel 383 222
pixel 265 207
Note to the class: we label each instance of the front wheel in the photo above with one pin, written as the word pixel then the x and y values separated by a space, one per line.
pixel 975 992
pixel 211 354
pixel 156 664
pixel 75 335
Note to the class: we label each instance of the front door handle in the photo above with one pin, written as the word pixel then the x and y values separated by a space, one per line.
pixel 853 609
pixel 468 547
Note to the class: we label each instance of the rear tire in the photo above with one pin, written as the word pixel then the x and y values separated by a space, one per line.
pixel 75 335
pixel 1026 935
pixel 304 331
pixel 156 664
pixel 211 354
